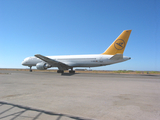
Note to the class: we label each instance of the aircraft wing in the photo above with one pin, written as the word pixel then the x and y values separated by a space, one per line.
pixel 60 65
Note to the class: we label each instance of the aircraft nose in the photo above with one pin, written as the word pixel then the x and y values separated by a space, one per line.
pixel 23 63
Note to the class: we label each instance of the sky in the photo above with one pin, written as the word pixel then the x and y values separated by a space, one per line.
pixel 75 27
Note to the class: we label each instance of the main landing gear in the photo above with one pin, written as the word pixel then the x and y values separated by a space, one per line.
pixel 72 71
pixel 60 71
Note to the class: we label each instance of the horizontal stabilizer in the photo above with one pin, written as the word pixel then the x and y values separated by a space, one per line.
pixel 117 57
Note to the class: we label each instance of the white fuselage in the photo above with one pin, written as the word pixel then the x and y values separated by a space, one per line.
pixel 77 60
pixel 113 54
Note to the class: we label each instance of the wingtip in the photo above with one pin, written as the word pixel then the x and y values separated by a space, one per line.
pixel 36 55
pixel 128 30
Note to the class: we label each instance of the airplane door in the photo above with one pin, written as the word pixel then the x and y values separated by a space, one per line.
pixel 100 60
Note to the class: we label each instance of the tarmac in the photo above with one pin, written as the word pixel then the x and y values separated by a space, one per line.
pixel 82 96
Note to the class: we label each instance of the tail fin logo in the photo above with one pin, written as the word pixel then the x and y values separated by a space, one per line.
pixel 119 44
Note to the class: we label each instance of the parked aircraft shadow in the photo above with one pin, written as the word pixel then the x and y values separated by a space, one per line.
pixel 68 74
pixel 10 115
pixel 149 75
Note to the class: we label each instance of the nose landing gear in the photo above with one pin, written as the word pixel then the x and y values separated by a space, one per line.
pixel 30 68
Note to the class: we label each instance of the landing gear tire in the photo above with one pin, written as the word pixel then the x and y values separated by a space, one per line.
pixel 71 71
pixel 60 71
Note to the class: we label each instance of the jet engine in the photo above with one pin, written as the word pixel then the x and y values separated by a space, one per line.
pixel 42 66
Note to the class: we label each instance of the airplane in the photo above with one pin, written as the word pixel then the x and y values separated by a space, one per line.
pixel 113 54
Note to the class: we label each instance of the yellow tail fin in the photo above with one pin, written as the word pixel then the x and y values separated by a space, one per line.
pixel 118 46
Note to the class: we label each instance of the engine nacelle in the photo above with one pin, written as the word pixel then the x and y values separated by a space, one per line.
pixel 42 66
